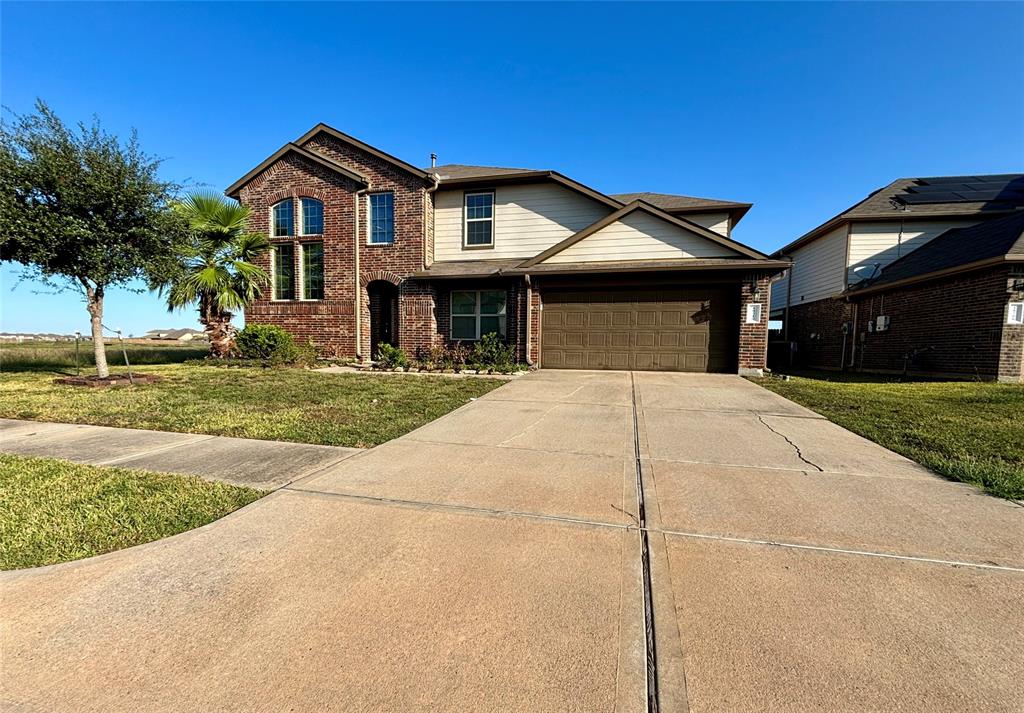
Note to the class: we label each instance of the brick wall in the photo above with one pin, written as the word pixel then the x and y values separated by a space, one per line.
pixel 817 330
pixel 753 341
pixel 330 323
pixel 953 327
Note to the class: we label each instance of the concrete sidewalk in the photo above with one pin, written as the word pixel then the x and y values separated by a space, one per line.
pixel 266 465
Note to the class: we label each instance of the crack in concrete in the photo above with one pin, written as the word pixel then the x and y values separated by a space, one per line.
pixel 799 453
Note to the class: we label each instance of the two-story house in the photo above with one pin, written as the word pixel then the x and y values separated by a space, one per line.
pixel 925 275
pixel 368 249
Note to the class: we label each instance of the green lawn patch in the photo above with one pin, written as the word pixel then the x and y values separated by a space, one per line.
pixel 352 410
pixel 56 511
pixel 967 431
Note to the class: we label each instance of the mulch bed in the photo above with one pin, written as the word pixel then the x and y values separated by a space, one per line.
pixel 107 382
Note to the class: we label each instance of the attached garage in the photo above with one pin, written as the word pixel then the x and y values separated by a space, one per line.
pixel 644 329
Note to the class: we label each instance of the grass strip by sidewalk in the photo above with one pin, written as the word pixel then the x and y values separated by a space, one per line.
pixel 967 431
pixel 353 410
pixel 56 511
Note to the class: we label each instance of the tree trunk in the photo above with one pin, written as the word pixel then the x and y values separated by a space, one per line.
pixel 94 303
pixel 219 330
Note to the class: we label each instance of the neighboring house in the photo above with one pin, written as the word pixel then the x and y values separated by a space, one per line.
pixel 368 249
pixel 179 335
pixel 923 276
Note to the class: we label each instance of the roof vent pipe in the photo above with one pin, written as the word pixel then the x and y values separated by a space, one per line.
pixel 433 160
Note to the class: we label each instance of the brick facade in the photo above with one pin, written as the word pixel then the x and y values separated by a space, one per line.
pixel 816 328
pixel 330 323
pixel 753 341
pixel 951 327
pixel 421 313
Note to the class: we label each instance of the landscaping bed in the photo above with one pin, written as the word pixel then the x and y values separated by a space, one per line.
pixel 56 511
pixel 966 431
pixel 283 404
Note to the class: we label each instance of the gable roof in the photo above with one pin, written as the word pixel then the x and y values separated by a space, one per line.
pixel 458 176
pixel 929 197
pixel 288 148
pixel 352 141
pixel 678 204
pixel 658 213
pixel 987 243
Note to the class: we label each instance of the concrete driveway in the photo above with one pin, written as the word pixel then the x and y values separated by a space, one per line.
pixel 492 560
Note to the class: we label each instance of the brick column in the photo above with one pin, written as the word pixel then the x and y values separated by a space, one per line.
pixel 753 346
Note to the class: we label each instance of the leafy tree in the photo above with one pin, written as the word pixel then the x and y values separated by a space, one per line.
pixel 214 267
pixel 80 209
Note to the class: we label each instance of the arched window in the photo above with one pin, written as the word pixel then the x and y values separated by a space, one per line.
pixel 282 218
pixel 312 217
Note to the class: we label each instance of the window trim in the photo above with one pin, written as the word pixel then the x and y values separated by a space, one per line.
pixel 1009 313
pixel 302 217
pixel 369 219
pixel 273 271
pixel 273 227
pixel 466 219
pixel 476 313
pixel 301 280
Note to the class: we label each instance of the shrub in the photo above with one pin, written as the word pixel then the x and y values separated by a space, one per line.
pixel 390 357
pixel 268 343
pixel 491 351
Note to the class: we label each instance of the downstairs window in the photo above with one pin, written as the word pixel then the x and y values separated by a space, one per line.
pixel 476 313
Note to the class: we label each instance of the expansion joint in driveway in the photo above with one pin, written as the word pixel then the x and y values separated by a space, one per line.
pixel 645 563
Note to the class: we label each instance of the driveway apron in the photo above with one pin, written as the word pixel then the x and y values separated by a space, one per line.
pixel 493 560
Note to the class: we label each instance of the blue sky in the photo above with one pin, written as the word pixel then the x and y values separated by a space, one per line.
pixel 801 109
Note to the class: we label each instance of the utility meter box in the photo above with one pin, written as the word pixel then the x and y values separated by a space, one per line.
pixel 882 323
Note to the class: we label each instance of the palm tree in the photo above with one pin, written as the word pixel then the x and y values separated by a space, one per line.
pixel 214 268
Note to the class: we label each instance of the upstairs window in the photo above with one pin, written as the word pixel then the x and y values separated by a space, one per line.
pixel 382 218
pixel 479 229
pixel 477 313
pixel 283 219
pixel 284 271
pixel 312 217
pixel 312 271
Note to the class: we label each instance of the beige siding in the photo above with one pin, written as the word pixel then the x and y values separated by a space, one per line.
pixel 779 292
pixel 719 222
pixel 817 270
pixel 640 236
pixel 883 242
pixel 528 220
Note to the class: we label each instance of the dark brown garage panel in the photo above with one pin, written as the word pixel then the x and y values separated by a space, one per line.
pixel 640 329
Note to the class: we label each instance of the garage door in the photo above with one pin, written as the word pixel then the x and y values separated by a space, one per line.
pixel 641 329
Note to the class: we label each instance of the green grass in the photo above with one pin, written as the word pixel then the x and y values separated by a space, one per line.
pixel 966 431
pixel 60 356
pixel 56 511
pixel 275 404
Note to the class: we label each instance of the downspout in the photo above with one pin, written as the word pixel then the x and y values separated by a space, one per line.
pixel 853 349
pixel 358 285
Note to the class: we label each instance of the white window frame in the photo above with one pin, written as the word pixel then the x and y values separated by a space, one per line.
pixel 466 220
pixel 476 313
pixel 755 311
pixel 273 227
pixel 273 272
pixel 1015 313
pixel 302 215
pixel 300 281
pixel 369 218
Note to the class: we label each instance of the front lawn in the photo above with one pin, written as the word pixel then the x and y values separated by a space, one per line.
pixel 967 431
pixel 56 511
pixel 274 404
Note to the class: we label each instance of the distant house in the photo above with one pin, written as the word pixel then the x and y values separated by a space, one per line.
pixel 924 276
pixel 172 335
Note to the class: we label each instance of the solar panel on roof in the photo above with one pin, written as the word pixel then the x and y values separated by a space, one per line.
pixel 918 198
